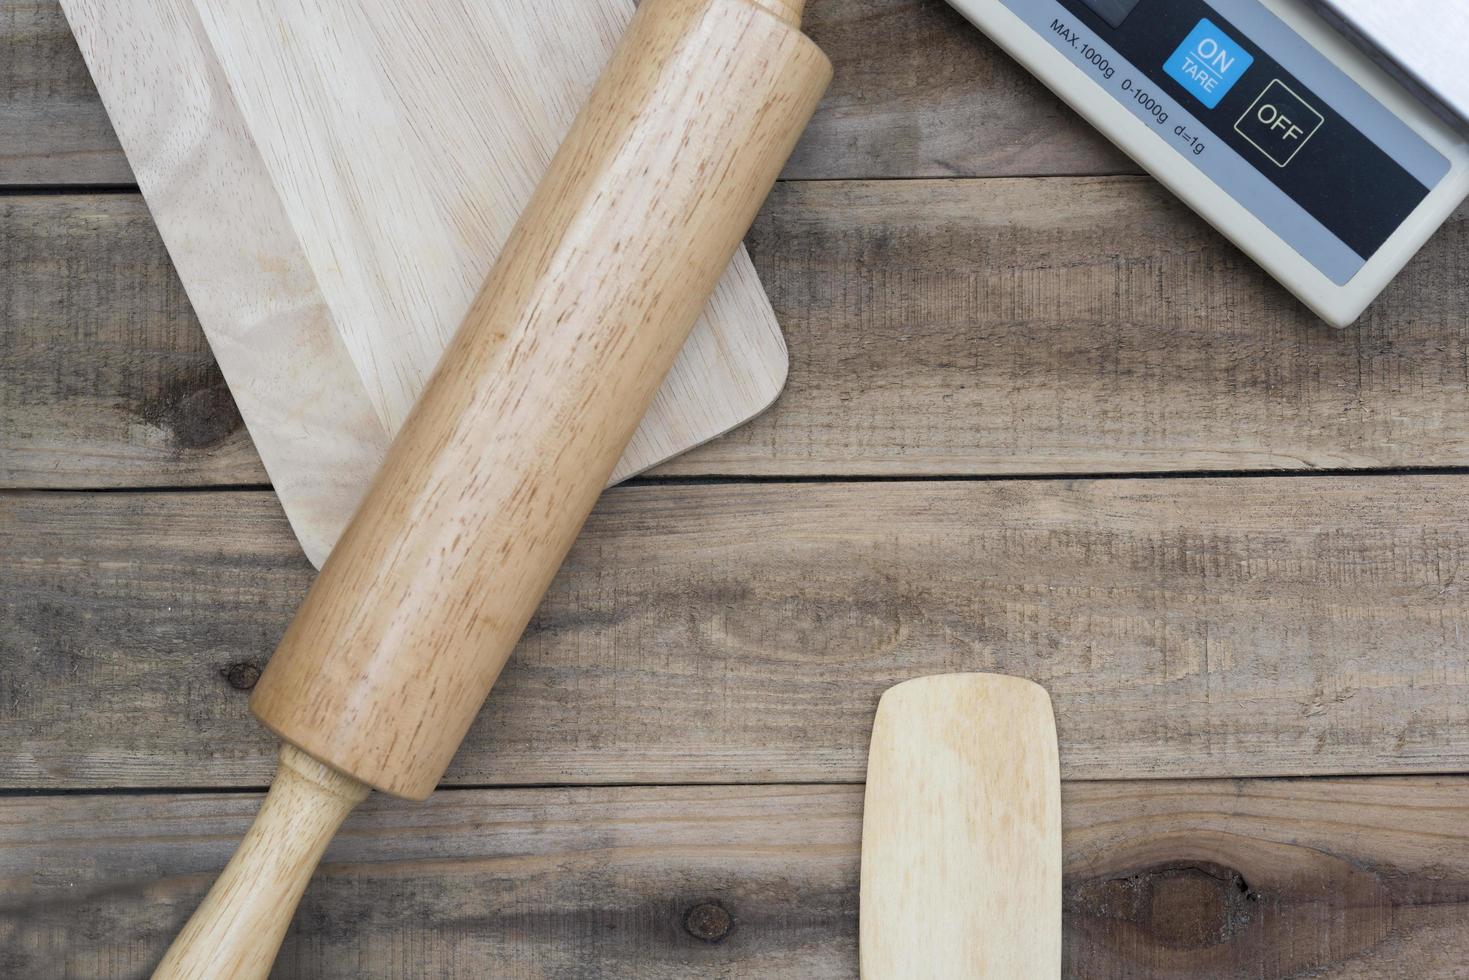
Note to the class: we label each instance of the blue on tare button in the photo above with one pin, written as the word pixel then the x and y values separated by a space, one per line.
pixel 1208 63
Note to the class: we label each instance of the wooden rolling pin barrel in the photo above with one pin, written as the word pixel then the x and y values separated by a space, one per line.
pixel 420 604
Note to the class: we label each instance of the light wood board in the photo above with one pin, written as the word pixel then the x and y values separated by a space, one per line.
pixel 333 182
pixel 961 832
pixel 1176 880
pixel 1235 627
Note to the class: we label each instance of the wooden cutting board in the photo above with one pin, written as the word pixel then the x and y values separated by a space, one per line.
pixel 334 178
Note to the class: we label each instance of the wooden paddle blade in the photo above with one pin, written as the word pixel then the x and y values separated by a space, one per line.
pixel 961 836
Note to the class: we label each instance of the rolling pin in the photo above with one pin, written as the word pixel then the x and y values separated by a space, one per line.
pixel 401 636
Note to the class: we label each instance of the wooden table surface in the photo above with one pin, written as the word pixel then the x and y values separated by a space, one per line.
pixel 1040 420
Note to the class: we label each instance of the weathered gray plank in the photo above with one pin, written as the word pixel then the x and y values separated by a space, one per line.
pixel 1080 326
pixel 1239 627
pixel 53 129
pixel 935 327
pixel 1260 879
pixel 917 92
pixel 105 376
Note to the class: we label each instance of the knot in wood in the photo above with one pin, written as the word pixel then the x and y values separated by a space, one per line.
pixel 241 676
pixel 195 413
pixel 708 922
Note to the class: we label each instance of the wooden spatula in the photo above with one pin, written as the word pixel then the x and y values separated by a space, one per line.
pixel 961 836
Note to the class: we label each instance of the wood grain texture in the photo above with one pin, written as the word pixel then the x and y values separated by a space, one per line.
pixel 238 927
pixel 522 425
pixel 539 394
pixel 1081 326
pixel 53 129
pixel 1358 879
pixel 961 832
pixel 935 327
pixel 334 184
pixel 918 92
pixel 1183 627
pixel 108 380
pixel 1311 626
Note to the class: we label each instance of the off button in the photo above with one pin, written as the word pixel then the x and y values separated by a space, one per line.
pixel 1279 123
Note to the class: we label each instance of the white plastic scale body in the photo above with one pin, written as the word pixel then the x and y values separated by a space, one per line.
pixel 1264 119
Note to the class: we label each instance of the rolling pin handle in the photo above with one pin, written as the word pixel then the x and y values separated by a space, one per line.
pixel 239 927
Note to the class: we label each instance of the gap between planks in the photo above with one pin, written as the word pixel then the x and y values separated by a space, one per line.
pixel 655 480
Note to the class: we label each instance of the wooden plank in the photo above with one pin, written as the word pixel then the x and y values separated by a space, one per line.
pixel 1080 326
pixel 935 327
pixel 918 92
pixel 53 129
pixel 1258 879
pixel 1237 627
pixel 105 376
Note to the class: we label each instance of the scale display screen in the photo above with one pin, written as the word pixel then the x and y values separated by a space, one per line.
pixel 1259 111
pixel 1114 12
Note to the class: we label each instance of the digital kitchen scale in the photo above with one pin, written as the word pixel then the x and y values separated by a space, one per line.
pixel 1269 122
